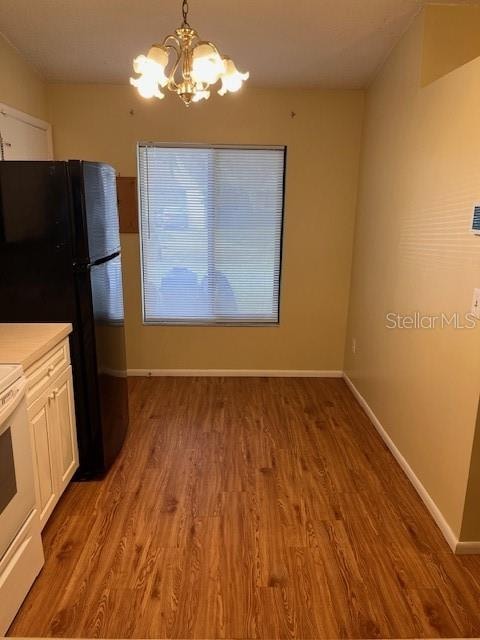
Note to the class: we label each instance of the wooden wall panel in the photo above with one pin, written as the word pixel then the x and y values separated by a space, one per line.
pixel 127 204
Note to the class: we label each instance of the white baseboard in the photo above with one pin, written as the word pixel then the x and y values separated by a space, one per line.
pixel 467 548
pixel 235 373
pixel 448 534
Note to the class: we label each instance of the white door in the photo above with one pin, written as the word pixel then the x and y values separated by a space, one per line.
pixel 43 433
pixel 23 137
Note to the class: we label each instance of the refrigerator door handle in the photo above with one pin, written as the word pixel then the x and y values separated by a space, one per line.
pixel 81 267
pixel 105 259
pixel 84 267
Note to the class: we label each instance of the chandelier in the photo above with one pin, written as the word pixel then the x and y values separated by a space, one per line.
pixel 185 65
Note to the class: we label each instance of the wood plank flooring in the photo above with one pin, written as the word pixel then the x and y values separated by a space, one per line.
pixel 249 508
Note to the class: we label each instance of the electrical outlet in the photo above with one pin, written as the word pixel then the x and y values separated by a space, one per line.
pixel 476 303
pixel 354 346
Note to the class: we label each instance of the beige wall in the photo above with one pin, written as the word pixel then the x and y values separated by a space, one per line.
pixel 414 252
pixel 451 39
pixel 323 139
pixel 21 86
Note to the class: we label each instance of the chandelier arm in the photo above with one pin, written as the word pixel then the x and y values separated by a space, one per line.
pixel 172 83
pixel 176 43
pixel 176 48
pixel 172 47
pixel 186 63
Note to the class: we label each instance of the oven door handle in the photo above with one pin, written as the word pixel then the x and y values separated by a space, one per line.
pixel 10 406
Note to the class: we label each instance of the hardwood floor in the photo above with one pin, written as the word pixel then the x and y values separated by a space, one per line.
pixel 249 508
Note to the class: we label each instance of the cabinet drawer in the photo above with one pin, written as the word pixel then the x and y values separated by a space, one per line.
pixel 19 567
pixel 40 374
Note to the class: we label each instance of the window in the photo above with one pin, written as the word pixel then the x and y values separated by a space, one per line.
pixel 211 233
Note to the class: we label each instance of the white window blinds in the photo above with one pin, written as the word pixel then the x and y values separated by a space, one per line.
pixel 211 233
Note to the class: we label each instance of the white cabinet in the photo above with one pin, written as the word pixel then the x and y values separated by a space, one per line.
pixel 51 416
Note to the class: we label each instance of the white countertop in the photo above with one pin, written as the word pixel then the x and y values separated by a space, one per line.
pixel 25 343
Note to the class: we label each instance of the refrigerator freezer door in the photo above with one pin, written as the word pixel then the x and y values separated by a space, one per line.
pixel 101 210
pixel 95 220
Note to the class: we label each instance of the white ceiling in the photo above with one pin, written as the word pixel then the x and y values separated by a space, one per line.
pixel 327 43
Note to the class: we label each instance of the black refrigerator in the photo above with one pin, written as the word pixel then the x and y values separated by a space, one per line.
pixel 60 261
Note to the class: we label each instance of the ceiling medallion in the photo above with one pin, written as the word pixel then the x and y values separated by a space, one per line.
pixel 185 65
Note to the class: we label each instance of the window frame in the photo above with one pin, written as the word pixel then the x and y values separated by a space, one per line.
pixel 201 322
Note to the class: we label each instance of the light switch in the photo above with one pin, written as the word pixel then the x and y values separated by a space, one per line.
pixel 476 303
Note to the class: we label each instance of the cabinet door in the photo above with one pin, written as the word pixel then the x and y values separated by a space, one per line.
pixel 67 453
pixel 42 421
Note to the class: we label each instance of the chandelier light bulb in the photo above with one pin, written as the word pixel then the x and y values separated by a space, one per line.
pixel 201 95
pixel 207 64
pixel 138 64
pixel 194 66
pixel 157 61
pixel 147 87
pixel 232 79
pixel 150 68
pixel 158 55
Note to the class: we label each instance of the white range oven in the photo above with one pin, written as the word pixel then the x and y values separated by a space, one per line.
pixel 21 553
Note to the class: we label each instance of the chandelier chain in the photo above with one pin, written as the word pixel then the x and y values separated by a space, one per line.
pixel 185 13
